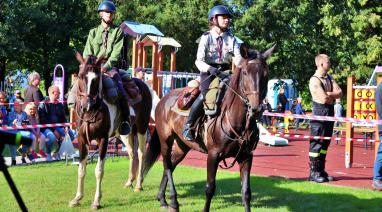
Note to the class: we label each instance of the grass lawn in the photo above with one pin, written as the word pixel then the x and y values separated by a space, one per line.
pixel 49 187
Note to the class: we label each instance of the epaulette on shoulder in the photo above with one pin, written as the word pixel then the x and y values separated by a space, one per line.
pixel 206 33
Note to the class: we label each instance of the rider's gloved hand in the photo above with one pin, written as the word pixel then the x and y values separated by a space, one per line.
pixel 214 71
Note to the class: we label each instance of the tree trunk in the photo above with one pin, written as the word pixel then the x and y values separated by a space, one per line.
pixel 2 69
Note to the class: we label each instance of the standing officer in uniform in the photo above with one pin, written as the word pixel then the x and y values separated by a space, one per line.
pixel 215 51
pixel 324 91
pixel 107 40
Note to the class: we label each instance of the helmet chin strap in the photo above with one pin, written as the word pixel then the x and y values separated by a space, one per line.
pixel 108 23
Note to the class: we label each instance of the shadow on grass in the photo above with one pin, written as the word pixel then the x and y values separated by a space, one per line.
pixel 273 193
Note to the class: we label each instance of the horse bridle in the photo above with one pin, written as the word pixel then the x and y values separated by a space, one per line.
pixel 93 100
pixel 249 115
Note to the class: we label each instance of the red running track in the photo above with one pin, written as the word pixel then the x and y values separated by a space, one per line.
pixel 291 161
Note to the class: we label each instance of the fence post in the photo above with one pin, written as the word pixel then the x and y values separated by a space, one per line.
pixel 349 128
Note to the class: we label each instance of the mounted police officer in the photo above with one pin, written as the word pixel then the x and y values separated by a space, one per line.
pixel 215 52
pixel 107 40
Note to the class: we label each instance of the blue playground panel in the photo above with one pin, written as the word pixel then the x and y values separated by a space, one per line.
pixel 172 80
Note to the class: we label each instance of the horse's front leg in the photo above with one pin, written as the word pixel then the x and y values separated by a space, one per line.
pixel 83 148
pixel 129 143
pixel 212 166
pixel 141 156
pixel 99 170
pixel 245 172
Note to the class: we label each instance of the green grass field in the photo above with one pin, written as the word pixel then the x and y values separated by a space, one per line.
pixel 49 187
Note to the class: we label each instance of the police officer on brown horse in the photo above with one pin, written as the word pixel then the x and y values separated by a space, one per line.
pixel 216 49
pixel 107 40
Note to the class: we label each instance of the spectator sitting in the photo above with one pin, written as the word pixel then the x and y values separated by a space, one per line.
pixel 39 137
pixel 16 96
pixel 4 121
pixel 32 93
pixel 18 118
pixel 53 113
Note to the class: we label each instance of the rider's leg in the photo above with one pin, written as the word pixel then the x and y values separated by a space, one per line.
pixel 125 125
pixel 197 107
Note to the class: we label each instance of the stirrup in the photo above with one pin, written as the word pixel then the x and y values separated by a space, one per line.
pixel 124 128
pixel 188 133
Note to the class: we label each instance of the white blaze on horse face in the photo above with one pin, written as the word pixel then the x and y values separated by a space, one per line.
pixel 90 76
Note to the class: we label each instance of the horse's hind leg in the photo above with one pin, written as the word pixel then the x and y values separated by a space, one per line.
pixel 245 170
pixel 141 156
pixel 177 156
pixel 129 143
pixel 99 170
pixel 81 172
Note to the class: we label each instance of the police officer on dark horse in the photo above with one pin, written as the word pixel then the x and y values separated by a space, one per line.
pixel 216 49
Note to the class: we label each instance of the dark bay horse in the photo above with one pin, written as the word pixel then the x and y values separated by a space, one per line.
pixel 233 133
pixel 100 120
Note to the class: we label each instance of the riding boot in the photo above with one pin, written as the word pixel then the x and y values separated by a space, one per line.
pixel 322 169
pixel 124 128
pixel 196 111
pixel 315 174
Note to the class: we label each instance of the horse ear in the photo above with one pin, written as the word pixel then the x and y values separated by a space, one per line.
pixel 244 50
pixel 79 57
pixel 269 52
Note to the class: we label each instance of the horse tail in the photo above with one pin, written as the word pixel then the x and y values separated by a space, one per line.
pixel 152 152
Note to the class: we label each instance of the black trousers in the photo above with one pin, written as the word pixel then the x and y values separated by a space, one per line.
pixel 318 147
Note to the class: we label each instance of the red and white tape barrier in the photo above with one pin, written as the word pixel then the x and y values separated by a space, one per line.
pixel 325 118
pixel 34 126
pixel 283 135
pixel 25 103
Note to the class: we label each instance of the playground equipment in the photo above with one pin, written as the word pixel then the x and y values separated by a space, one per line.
pixel 274 86
pixel 59 81
pixel 157 44
pixel 360 104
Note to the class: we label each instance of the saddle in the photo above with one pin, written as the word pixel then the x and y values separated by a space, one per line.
pixel 188 95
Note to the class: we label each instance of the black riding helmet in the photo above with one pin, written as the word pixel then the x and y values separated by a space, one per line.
pixel 219 10
pixel 107 6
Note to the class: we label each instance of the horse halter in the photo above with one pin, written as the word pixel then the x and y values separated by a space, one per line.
pixel 244 96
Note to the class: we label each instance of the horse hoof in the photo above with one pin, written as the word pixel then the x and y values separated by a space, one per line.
pixel 128 185
pixel 171 209
pixel 95 207
pixel 138 189
pixel 163 207
pixel 74 203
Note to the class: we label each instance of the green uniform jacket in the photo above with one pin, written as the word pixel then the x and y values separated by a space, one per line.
pixel 94 45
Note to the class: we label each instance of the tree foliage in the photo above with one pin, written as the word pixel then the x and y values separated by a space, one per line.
pixel 37 34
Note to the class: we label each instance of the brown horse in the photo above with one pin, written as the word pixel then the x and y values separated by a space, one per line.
pixel 233 133
pixel 100 120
